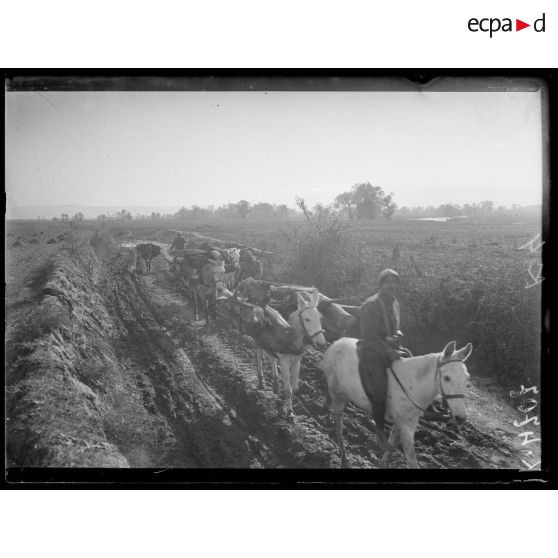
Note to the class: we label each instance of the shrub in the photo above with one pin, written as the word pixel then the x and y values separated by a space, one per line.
pixel 320 253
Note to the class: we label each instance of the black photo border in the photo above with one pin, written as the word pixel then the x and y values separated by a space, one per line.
pixel 311 80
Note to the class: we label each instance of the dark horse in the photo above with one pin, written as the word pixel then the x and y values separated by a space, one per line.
pixel 146 251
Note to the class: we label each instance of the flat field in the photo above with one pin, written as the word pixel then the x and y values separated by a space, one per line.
pixel 109 368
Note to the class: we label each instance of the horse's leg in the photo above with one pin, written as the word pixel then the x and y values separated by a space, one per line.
pixel 206 306
pixel 338 408
pixel 407 435
pixel 259 362
pixel 295 373
pixel 393 441
pixel 287 391
pixel 195 291
pixel 274 375
pixel 212 304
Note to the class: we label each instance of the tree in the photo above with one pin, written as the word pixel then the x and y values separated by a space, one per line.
pixel 365 201
pixel 368 200
pixel 448 210
pixel 389 207
pixel 301 204
pixel 283 211
pixel 262 210
pixel 487 206
pixel 243 208
pixel 344 202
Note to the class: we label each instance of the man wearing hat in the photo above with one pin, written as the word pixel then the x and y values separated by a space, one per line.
pixel 178 243
pixel 250 266
pixel 380 337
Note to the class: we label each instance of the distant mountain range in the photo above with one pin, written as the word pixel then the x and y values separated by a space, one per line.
pixel 89 212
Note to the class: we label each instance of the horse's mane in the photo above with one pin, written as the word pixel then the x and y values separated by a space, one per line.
pixel 276 316
pixel 420 363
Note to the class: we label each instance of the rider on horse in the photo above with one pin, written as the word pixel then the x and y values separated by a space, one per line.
pixel 380 345
pixel 377 347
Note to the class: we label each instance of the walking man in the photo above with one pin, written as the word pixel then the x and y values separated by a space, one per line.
pixel 178 243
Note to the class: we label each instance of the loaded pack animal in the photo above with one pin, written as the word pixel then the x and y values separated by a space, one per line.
pixel 258 292
pixel 249 266
pixel 284 341
pixel 210 272
pixel 413 383
pixel 231 258
pixel 146 251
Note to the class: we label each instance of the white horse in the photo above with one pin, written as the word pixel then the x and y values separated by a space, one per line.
pixel 413 383
pixel 306 321
pixel 232 257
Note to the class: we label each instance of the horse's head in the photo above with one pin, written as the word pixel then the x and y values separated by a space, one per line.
pixel 452 375
pixel 252 317
pixel 310 318
pixel 219 274
pixel 212 272
pixel 234 257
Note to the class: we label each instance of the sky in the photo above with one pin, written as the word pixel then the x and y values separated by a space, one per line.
pixel 177 149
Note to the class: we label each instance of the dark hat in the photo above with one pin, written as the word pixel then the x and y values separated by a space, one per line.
pixel 387 273
pixel 246 255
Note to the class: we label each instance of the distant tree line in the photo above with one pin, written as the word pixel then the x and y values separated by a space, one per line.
pixel 363 201
pixel 64 217
pixel 453 210
pixel 239 210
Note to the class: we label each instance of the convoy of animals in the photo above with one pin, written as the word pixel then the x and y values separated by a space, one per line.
pixel 285 319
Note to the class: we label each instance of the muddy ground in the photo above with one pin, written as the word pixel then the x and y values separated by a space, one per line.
pixel 121 374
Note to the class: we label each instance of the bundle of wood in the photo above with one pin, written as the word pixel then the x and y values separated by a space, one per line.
pixel 338 319
pixel 199 241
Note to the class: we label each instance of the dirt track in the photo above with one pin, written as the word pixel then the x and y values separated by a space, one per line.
pixel 203 383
